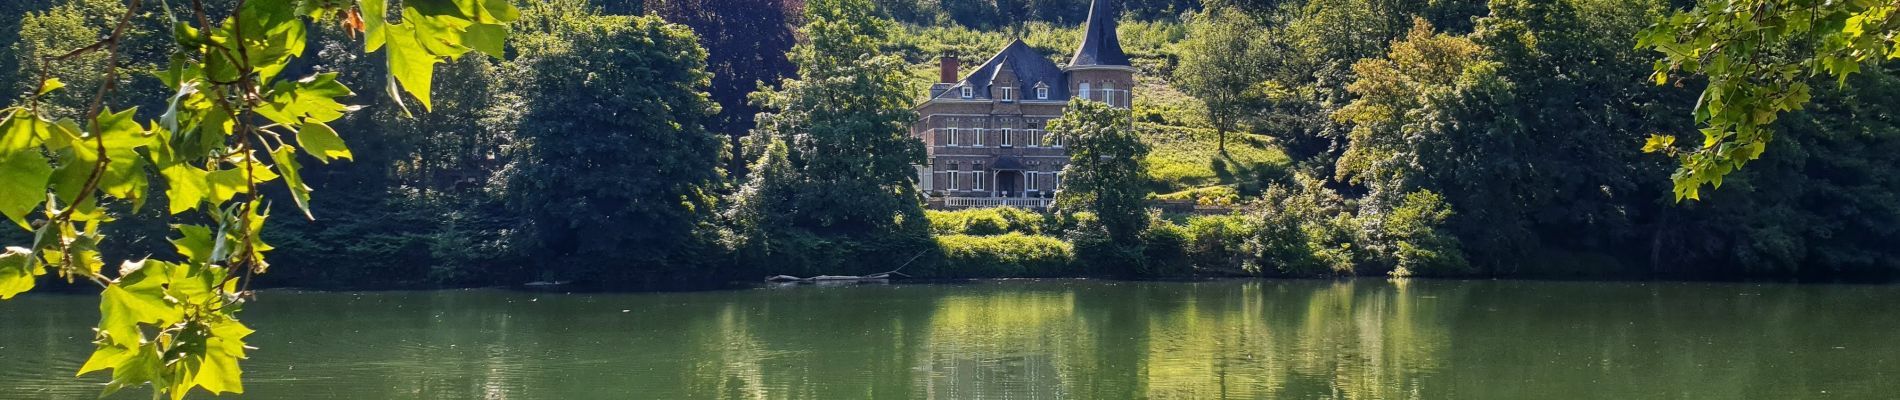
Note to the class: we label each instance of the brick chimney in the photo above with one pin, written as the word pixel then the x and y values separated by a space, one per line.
pixel 947 69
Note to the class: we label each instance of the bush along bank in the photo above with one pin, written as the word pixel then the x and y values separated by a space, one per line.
pixel 1305 231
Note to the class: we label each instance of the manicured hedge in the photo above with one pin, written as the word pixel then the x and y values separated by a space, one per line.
pixel 1012 255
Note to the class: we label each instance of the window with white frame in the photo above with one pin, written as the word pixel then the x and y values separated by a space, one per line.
pixel 979 136
pixel 948 134
pixel 1009 137
pixel 1108 92
pixel 969 92
pixel 1084 90
pixel 1009 94
pixel 1031 176
pixel 976 172
pixel 1042 92
pixel 955 176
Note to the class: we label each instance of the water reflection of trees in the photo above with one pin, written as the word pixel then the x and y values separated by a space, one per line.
pixel 1363 339
pixel 1359 339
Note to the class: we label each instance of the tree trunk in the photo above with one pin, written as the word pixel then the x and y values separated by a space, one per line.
pixel 1221 128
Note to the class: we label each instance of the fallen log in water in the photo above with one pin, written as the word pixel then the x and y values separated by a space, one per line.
pixel 872 278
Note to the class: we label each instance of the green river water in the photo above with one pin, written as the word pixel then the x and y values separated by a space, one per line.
pixel 1356 339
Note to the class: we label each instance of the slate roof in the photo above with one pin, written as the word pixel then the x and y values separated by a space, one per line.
pixel 1100 44
pixel 1030 68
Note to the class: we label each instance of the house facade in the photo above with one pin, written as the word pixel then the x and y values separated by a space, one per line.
pixel 984 129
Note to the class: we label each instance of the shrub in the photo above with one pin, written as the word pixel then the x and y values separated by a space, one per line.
pixel 1098 253
pixel 1303 230
pixel 1012 255
pixel 1216 243
pixel 987 221
pixel 1408 239
pixel 1224 195
pixel 1164 250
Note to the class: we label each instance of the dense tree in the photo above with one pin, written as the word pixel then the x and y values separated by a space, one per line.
pixel 746 43
pixel 1104 177
pixel 614 166
pixel 844 123
pixel 836 156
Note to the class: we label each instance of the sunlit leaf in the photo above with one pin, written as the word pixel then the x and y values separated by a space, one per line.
pixel 411 64
pixel 138 297
pixel 286 159
pixel 322 142
pixel 24 172
pixel 311 99
pixel 196 245
pixel 18 270
pixel 50 85
pixel 228 183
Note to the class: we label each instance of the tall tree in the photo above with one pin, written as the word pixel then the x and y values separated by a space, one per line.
pixel 1104 177
pixel 614 166
pixel 1222 61
pixel 844 126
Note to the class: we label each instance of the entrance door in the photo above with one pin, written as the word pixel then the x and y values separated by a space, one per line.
pixel 1009 183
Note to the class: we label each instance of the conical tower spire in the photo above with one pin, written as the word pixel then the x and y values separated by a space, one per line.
pixel 1100 44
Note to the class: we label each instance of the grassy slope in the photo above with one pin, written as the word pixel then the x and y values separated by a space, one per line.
pixel 1184 163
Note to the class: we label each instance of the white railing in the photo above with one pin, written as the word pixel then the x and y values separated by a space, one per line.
pixel 985 202
pixel 980 137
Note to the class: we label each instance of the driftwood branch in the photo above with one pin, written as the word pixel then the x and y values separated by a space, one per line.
pixel 881 276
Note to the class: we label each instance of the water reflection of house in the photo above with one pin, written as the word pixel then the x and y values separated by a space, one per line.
pixel 984 131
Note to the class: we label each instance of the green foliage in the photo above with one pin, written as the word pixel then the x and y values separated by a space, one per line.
pixel 1012 255
pixel 637 188
pixel 1210 196
pixel 1304 230
pixel 1104 175
pixel 746 43
pixel 173 324
pixel 1164 250
pixel 988 221
pixel 1217 243
pixel 843 128
pixel 1409 239
pixel 834 173
pixel 1817 205
pixel 1757 56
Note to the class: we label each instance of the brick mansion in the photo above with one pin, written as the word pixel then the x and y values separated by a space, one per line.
pixel 984 130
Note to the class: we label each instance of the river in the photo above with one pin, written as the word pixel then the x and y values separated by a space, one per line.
pixel 1071 339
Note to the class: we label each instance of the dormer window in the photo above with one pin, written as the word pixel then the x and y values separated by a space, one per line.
pixel 1042 91
pixel 1009 94
pixel 969 92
